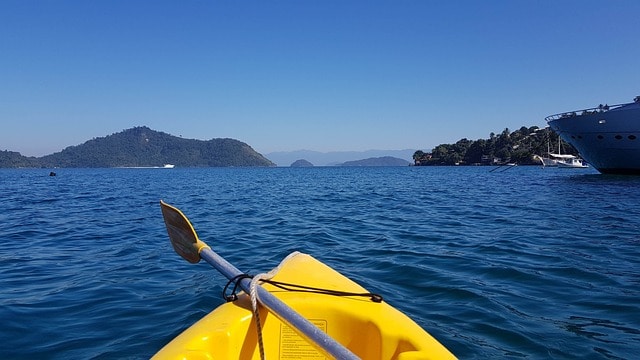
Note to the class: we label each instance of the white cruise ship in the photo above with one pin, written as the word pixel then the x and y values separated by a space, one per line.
pixel 607 137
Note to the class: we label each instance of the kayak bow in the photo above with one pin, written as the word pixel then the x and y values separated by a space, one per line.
pixel 349 326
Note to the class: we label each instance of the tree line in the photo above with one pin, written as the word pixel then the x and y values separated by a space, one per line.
pixel 518 147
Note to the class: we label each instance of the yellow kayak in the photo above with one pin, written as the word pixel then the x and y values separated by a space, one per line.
pixel 367 328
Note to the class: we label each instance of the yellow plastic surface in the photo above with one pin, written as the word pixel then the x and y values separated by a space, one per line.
pixel 370 330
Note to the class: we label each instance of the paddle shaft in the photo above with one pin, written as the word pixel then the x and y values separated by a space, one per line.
pixel 281 310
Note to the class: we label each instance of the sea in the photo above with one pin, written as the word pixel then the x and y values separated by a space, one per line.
pixel 519 262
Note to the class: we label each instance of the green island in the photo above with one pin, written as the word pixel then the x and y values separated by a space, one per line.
pixel 142 147
pixel 518 147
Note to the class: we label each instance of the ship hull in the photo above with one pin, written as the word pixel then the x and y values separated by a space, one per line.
pixel 608 140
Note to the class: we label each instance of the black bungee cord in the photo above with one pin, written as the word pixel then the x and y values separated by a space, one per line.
pixel 376 298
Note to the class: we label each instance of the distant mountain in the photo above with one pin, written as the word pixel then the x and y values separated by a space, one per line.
pixel 141 146
pixel 301 163
pixel 379 161
pixel 285 158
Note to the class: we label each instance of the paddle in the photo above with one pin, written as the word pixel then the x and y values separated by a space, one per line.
pixel 186 243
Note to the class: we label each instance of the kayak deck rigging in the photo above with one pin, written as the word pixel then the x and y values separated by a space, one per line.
pixel 294 287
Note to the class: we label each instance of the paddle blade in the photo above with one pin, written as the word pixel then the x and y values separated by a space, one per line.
pixel 181 233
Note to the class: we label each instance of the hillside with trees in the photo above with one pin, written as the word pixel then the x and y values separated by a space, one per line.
pixel 141 146
pixel 12 159
pixel 518 147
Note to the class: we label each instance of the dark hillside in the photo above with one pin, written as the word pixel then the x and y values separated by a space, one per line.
pixel 12 159
pixel 141 146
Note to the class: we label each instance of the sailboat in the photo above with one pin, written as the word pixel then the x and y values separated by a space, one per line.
pixel 567 161
pixel 560 160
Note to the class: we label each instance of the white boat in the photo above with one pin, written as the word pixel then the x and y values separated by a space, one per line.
pixel 559 159
pixel 168 166
pixel 607 137
pixel 562 161
pixel 569 161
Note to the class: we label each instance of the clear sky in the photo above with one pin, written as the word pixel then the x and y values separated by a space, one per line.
pixel 324 75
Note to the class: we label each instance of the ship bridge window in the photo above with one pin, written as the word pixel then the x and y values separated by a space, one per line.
pixel 618 137
pixel 600 137
pixel 631 137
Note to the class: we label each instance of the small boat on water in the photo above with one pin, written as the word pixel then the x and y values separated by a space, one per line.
pixel 569 162
pixel 169 166
pixel 303 309
pixel 607 137
pixel 560 160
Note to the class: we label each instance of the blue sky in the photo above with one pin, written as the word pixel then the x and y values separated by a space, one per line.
pixel 317 75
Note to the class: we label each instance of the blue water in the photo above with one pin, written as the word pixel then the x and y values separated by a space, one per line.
pixel 525 263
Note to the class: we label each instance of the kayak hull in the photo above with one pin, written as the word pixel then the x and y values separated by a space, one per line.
pixel 370 330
